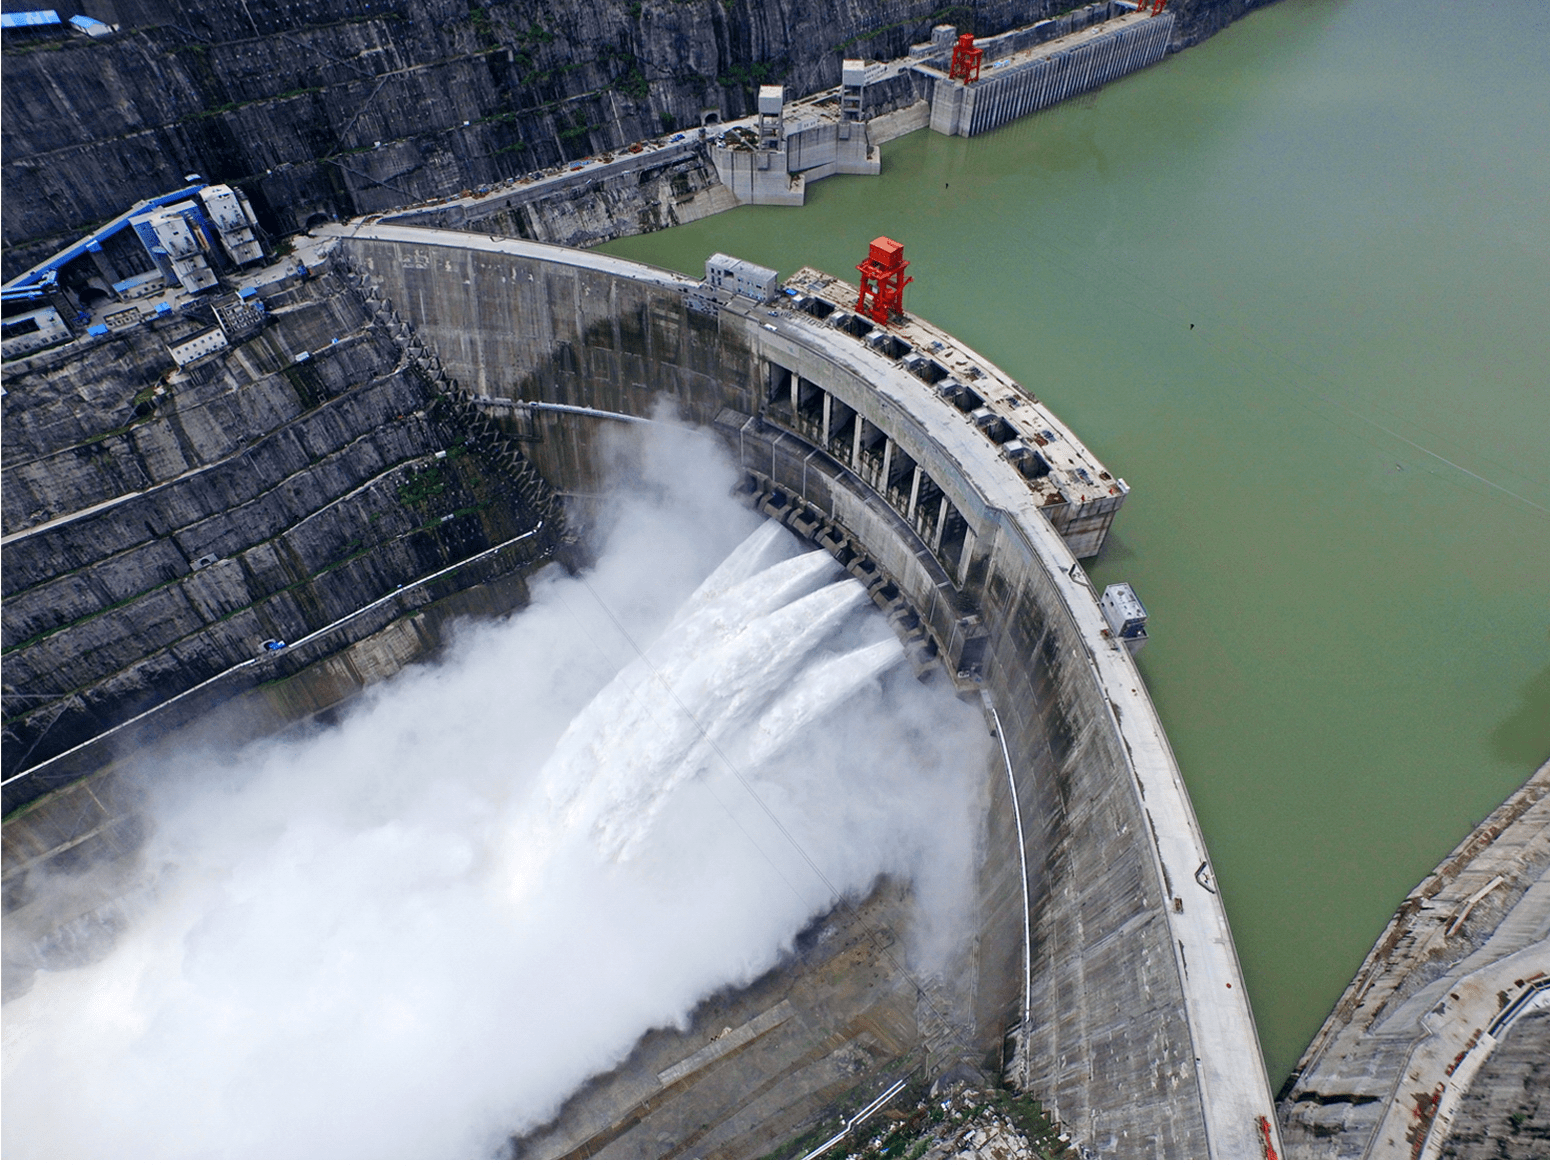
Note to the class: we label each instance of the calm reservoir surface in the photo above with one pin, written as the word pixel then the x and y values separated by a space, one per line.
pixel 1340 518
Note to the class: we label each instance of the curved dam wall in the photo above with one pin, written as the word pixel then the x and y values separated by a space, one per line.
pixel 1123 1000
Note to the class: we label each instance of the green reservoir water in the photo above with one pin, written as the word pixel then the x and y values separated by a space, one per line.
pixel 1341 511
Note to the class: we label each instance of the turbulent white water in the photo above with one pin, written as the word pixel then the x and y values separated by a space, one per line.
pixel 416 933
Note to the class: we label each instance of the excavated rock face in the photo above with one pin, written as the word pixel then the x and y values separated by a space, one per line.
pixel 168 522
pixel 341 107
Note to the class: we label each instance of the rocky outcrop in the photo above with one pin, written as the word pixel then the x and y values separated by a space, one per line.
pixel 341 107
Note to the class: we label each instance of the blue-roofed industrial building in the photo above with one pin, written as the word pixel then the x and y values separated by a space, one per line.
pixel 91 27
pixel 31 25
pixel 45 22
pixel 40 19
pixel 188 236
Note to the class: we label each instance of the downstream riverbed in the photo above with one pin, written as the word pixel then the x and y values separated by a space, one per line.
pixel 1293 285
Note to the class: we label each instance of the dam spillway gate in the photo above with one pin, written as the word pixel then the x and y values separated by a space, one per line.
pixel 1137 1029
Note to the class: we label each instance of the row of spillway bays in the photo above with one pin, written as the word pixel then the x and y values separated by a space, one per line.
pixel 727 276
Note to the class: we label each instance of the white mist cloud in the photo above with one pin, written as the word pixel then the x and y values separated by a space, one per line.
pixel 417 932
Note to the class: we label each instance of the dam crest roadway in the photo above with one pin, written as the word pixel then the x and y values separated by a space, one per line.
pixel 949 494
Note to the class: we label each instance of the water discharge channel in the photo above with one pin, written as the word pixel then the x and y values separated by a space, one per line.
pixel 1290 284
pixel 419 931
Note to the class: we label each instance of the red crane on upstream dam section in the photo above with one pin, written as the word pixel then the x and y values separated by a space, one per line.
pixel 883 280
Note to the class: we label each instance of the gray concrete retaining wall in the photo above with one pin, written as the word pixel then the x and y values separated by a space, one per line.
pixel 1003 94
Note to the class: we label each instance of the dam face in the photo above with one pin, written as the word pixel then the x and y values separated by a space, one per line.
pixel 1122 1006
pixel 418 427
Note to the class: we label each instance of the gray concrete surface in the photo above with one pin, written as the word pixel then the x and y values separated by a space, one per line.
pixel 1141 1035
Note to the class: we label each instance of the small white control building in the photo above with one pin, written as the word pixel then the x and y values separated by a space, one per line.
pixel 195 347
pixel 32 329
pixel 738 277
pixel 1126 616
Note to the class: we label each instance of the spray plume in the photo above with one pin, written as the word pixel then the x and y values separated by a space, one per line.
pixel 416 933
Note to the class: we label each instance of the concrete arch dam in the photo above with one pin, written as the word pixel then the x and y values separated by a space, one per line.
pixel 1123 999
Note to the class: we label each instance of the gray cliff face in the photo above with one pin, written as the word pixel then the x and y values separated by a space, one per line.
pixel 584 210
pixel 341 107
pixel 265 499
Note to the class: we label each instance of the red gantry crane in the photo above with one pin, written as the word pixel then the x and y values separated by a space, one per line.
pixel 966 60
pixel 883 280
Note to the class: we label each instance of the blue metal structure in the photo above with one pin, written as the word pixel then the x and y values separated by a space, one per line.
pixel 37 282
pixel 42 19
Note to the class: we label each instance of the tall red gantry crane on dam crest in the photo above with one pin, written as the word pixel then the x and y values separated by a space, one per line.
pixel 966 60
pixel 883 280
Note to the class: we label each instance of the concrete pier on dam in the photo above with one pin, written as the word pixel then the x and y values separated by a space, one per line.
pixel 945 486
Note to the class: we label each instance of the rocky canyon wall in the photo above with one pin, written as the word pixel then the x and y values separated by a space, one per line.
pixel 336 108
pixel 163 524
